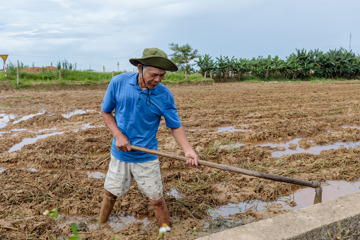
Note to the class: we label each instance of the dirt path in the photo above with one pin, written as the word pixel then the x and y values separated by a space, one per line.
pixel 54 152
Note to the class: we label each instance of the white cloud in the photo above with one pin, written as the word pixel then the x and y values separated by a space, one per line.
pixel 115 30
pixel 63 3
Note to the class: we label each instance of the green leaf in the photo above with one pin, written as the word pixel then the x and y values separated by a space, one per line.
pixel 74 228
pixel 74 238
pixel 54 213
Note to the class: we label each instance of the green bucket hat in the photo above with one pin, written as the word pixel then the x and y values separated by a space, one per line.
pixel 155 57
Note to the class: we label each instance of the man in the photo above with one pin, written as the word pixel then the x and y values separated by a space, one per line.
pixel 139 100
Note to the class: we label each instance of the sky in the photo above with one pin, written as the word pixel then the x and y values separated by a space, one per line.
pixel 97 34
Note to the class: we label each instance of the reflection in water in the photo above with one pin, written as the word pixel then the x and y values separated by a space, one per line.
pixel 115 223
pixel 45 130
pixel 353 127
pixel 231 146
pixel 5 119
pixel 13 130
pixel 174 193
pixel 87 126
pixel 27 141
pixel 4 167
pixel 76 112
pixel 292 147
pixel 99 174
pixel 28 117
pixel 312 150
pixel 303 198
pixel 95 174
pixel 232 129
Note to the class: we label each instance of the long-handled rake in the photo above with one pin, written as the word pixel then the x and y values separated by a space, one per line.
pixel 313 184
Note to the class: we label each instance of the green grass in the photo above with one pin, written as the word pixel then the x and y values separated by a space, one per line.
pixel 67 75
pixel 74 77
pixel 88 77
pixel 5 106
pixel 329 80
pixel 179 77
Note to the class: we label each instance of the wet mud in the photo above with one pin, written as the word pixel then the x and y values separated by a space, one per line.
pixel 54 153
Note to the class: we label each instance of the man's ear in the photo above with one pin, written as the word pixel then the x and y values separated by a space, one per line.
pixel 139 66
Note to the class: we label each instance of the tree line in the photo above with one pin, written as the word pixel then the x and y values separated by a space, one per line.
pixel 302 64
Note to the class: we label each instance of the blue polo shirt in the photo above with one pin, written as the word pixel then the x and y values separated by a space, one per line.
pixel 137 121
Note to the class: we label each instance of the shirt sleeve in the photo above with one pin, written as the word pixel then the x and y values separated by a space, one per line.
pixel 171 115
pixel 109 101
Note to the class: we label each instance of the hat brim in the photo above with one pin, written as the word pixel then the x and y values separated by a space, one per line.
pixel 158 62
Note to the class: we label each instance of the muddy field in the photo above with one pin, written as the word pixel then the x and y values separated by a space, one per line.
pixel 54 153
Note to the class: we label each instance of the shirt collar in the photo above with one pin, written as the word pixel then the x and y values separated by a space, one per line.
pixel 133 82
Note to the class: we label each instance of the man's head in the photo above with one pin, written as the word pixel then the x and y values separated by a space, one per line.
pixel 156 58
pixel 150 76
pixel 152 67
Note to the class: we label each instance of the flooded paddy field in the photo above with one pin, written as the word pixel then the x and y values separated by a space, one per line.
pixel 54 153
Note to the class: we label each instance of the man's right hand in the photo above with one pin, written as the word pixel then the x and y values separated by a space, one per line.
pixel 122 143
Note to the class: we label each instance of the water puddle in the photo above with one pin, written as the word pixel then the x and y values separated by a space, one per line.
pixel 45 130
pixel 231 146
pixel 115 223
pixel 353 127
pixel 5 119
pixel 87 126
pixel 4 167
pixel 28 117
pixel 302 197
pixel 75 112
pixel 27 141
pixel 174 193
pixel 233 129
pixel 13 130
pixel 198 129
pixel 98 174
pixel 293 147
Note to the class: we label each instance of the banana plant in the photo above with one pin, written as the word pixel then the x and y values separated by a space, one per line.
pixel 221 66
pixel 302 64
pixel 206 64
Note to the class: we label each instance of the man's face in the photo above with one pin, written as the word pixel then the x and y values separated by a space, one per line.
pixel 153 76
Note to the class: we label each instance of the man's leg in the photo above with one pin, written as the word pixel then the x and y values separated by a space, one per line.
pixel 118 180
pixel 106 206
pixel 161 211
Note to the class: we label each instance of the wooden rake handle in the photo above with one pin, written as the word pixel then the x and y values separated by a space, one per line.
pixel 313 184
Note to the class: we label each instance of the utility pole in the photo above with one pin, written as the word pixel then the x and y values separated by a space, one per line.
pixel 17 73
pixel 350 43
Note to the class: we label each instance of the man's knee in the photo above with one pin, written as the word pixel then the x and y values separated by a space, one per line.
pixel 158 203
pixel 109 196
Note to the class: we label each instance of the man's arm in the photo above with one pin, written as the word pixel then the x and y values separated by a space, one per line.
pixel 122 142
pixel 180 137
